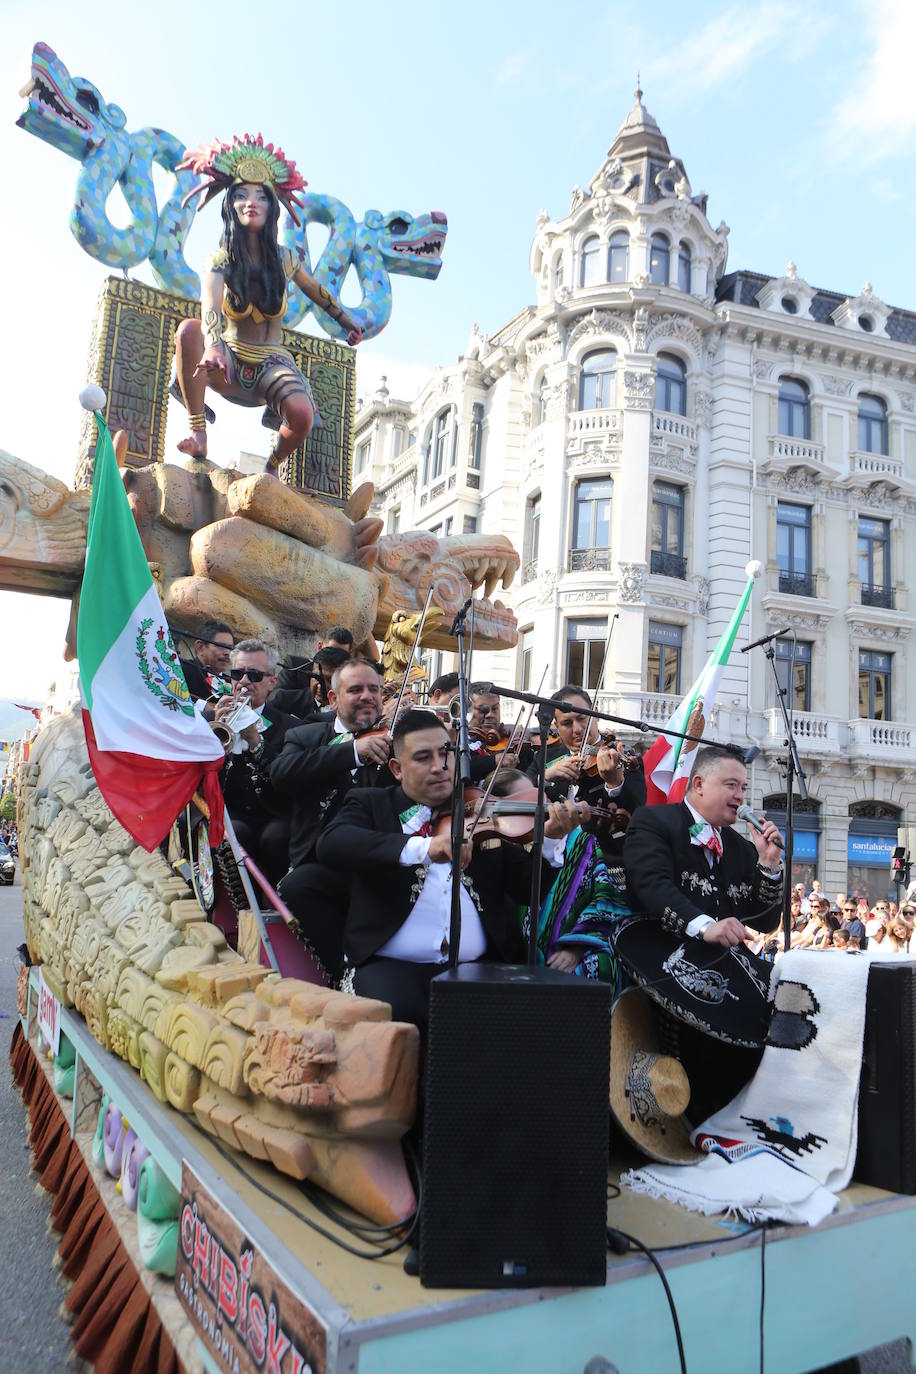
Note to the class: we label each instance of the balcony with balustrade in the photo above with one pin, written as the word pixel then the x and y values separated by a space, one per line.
pixel 589 560
pixel 815 735
pixel 875 595
pixel 784 452
pixel 591 424
pixel 669 428
pixel 881 741
pixel 668 564
pixel 874 466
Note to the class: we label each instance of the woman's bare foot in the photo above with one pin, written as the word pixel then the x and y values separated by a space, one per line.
pixel 195 446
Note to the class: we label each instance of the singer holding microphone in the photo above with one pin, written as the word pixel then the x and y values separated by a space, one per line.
pixel 697 881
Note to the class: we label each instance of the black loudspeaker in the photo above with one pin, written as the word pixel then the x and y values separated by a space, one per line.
pixel 515 1145
pixel 886 1155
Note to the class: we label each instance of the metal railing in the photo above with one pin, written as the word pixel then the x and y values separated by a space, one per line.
pixel 797 583
pixel 874 595
pixel 589 560
pixel 668 564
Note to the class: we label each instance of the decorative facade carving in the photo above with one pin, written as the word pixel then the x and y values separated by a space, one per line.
pixel 601 322
pixel 762 369
pixel 639 388
pixel 673 460
pixel 631 578
pixel 703 588
pixel 640 329
pixel 674 327
pixel 596 456
pixel 547 585
pixel 584 596
pixel 907 399
pixel 702 407
pixel 888 634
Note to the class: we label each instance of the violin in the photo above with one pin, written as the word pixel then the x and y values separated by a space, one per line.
pixel 496 741
pixel 511 818
pixel 630 757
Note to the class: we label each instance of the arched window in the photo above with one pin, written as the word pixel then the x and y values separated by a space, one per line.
pixel 558 274
pixel 794 409
pixel 618 256
pixel 872 424
pixel 659 260
pixel 589 267
pixel 671 385
pixel 540 404
pixel 683 266
pixel 596 380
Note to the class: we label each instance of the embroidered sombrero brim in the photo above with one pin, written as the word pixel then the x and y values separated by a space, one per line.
pixel 722 992
pixel 646 1087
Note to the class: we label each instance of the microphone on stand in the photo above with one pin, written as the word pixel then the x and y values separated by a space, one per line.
pixel 746 814
pixel 765 639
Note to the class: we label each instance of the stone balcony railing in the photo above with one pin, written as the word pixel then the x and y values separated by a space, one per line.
pixel 794 452
pixel 882 739
pixel 874 465
pixel 814 734
pixel 588 423
pixel 666 426
pixel 655 708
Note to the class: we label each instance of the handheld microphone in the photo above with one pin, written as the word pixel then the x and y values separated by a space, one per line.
pixel 746 814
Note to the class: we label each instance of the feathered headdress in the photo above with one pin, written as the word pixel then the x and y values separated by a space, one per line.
pixel 247 159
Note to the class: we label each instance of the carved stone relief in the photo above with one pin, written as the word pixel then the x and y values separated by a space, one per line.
pixel 632 576
pixel 639 388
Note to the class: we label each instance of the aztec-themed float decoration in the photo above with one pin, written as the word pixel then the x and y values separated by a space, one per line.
pixel 72 115
pixel 270 561
pixel 321 1084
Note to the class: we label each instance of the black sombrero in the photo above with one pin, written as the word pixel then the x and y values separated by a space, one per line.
pixel 722 992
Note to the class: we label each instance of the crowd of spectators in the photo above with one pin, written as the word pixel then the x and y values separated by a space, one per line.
pixel 848 924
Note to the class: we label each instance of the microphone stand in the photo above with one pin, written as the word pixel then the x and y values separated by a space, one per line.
pixel 545 715
pixel 462 776
pixel 643 726
pixel 793 770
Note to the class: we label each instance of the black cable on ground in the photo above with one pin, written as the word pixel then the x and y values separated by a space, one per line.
pixel 357 1229
pixel 614 1237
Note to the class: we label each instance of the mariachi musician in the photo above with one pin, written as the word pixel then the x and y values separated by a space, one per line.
pixel 588 766
pixel 321 762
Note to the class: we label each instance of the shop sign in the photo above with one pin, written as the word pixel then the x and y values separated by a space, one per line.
pixel 249 1320
pixel 48 1015
pixel 804 845
pixel 875 850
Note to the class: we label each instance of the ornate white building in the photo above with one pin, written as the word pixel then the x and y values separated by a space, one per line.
pixel 645 428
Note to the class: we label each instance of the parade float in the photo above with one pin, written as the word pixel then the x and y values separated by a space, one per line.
pixel 224 1143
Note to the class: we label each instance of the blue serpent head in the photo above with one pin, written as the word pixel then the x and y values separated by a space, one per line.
pixel 408 244
pixel 67 112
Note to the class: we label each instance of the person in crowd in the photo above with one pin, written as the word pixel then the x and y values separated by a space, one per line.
pixel 293 692
pixel 324 665
pixel 338 638
pixel 854 926
pixel 871 920
pixel 321 762
pixel 841 899
pixel 613 786
pixel 442 689
pixel 207 671
pixel 259 814
pixel 398 924
pixel 699 882
pixel 840 939
pixel 894 938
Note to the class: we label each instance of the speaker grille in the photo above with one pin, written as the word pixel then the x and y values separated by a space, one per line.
pixel 515 1145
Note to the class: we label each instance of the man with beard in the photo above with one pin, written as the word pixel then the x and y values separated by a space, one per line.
pixel 321 762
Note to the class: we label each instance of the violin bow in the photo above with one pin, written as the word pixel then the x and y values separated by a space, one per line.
pixel 583 747
pixel 413 653
pixel 493 776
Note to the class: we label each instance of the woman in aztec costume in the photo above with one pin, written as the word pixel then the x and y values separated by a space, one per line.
pixel 578 916
pixel 237 348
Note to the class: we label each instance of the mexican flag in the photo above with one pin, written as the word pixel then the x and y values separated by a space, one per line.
pixel 667 764
pixel 150 750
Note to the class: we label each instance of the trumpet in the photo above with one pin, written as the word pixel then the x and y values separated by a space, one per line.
pixel 450 714
pixel 228 729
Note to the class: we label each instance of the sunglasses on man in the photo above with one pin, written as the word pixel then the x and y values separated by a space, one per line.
pixel 254 675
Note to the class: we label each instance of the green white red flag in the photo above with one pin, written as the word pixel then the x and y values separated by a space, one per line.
pixel 667 763
pixel 149 748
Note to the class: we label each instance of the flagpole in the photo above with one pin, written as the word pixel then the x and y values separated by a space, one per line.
pixel 238 854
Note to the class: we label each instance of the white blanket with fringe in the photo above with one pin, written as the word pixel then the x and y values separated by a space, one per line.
pixel 786 1145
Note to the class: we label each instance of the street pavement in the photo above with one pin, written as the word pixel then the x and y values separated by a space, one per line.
pixel 32 1336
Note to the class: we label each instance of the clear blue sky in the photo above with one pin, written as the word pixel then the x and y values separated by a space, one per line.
pixel 798 120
